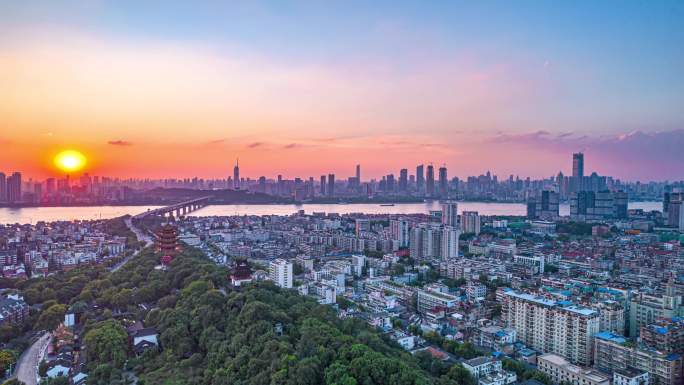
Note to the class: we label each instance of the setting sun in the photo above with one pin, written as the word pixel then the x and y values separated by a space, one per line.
pixel 70 160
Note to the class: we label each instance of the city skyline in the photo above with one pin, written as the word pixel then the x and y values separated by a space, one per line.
pixel 512 93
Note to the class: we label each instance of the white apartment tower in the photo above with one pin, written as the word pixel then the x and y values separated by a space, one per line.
pixel 281 273
pixel 399 228
pixel 450 213
pixel 449 243
pixel 552 327
pixel 470 222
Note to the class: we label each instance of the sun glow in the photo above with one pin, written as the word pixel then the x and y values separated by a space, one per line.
pixel 70 160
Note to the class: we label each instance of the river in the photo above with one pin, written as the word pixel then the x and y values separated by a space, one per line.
pixel 49 214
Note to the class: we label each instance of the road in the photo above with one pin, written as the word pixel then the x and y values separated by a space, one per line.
pixel 27 366
pixel 141 237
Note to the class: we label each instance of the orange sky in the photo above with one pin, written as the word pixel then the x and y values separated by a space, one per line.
pixel 151 106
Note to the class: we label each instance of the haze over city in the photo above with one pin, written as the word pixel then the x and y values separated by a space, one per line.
pixel 165 89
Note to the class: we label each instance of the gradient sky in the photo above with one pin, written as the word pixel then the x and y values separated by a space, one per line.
pixel 163 88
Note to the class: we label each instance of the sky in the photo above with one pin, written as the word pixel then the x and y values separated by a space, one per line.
pixel 304 88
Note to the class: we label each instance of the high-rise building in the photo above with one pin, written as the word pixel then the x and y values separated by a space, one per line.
pixel 280 272
pixel 443 183
pixel 3 187
pixel 450 237
pixel 362 225
pixel 323 185
pixel 403 179
pixel 450 213
pixel 236 175
pixel 331 185
pixel 543 205
pixel 432 241
pixel 358 173
pixel 470 222
pixel 590 205
pixel 430 181
pixel 399 229
pixel 426 241
pixel 552 327
pixel 14 188
pixel 390 183
pixel 578 165
pixel 50 186
pixel 420 179
pixel 675 210
pixel 577 172
pixel 614 353
pixel 645 309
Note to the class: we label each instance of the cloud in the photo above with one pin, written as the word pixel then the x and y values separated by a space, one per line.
pixel 120 143
pixel 255 144
pixel 291 146
pixel 633 155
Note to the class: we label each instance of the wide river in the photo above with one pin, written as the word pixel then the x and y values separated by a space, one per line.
pixel 49 214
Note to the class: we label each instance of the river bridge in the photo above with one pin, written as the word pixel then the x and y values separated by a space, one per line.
pixel 179 209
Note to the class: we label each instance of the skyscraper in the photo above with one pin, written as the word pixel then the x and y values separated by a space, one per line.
pixel 420 179
pixel 450 237
pixel 14 188
pixel 3 187
pixel 578 165
pixel 403 179
pixel 443 182
pixel 450 213
pixel 390 183
pixel 470 222
pixel 236 175
pixel 399 228
pixel 430 181
pixel 323 185
pixel 577 171
pixel 358 173
pixel 331 185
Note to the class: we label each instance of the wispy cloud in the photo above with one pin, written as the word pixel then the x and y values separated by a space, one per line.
pixel 255 144
pixel 120 143
pixel 636 154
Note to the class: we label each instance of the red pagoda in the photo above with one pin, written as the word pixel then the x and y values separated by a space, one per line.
pixel 242 273
pixel 167 242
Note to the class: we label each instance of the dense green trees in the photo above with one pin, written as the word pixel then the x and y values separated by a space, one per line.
pixel 51 317
pixel 214 335
pixel 107 343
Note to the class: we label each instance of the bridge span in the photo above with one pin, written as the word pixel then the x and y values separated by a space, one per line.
pixel 179 209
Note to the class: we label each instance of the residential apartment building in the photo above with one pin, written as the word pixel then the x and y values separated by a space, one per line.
pixel 428 300
pixel 613 352
pixel 550 326
pixel 646 309
pixel 281 273
pixel 563 372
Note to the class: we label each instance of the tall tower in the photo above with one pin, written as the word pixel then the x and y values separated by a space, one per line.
pixel 403 180
pixel 331 185
pixel 3 187
pixel 578 165
pixel 236 175
pixel 358 173
pixel 430 181
pixel 323 184
pixel 420 178
pixel 577 171
pixel 14 188
pixel 450 213
pixel 443 183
